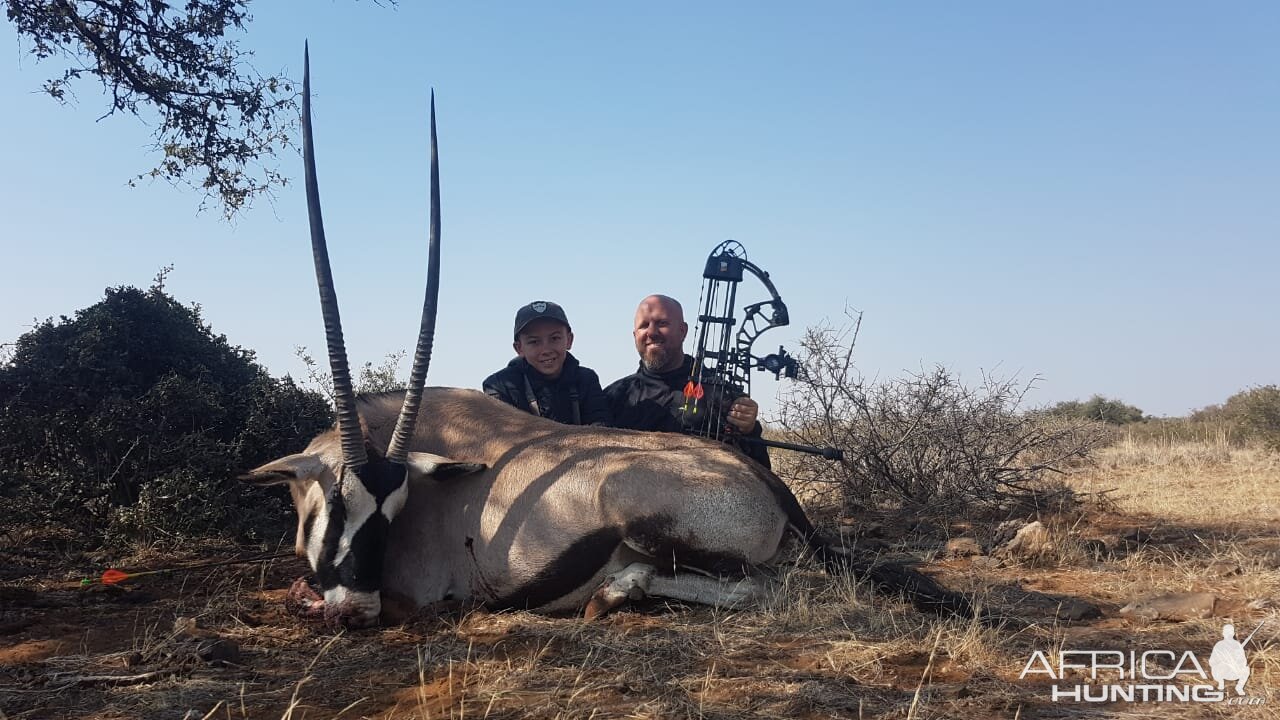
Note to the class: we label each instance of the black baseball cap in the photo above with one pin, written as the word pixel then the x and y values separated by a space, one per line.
pixel 538 310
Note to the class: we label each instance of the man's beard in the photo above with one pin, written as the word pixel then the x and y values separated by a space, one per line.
pixel 659 358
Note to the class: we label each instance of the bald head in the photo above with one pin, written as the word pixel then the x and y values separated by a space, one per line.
pixel 665 304
pixel 659 333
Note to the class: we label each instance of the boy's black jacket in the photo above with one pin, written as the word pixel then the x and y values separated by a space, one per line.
pixel 554 399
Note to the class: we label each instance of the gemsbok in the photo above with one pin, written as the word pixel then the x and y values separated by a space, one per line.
pixel 448 495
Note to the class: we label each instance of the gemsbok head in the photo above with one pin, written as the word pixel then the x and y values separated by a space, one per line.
pixel 344 531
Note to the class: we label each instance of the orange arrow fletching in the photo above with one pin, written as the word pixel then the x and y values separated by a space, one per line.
pixel 113 576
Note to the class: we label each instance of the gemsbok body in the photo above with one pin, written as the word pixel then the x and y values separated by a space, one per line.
pixel 449 495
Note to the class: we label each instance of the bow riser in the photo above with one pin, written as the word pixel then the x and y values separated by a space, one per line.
pixel 729 375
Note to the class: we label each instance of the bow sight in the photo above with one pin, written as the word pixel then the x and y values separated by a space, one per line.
pixel 730 354
pixel 780 364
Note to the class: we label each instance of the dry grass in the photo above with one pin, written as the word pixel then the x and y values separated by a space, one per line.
pixel 1202 481
pixel 1174 517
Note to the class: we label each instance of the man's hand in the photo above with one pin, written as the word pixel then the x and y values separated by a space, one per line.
pixel 742 414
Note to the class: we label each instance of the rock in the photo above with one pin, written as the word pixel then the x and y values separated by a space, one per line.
pixel 1096 548
pixel 1230 607
pixel 1110 547
pixel 185 626
pixel 1032 541
pixel 1110 542
pixel 189 628
pixel 1005 531
pixel 951 691
pixel 872 545
pixel 962 547
pixel 854 536
pixel 1224 568
pixel 1173 606
pixel 219 651
pixel 1136 536
pixel 1073 610
pixel 855 527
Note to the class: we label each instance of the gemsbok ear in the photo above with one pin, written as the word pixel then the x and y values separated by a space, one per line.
pixel 438 467
pixel 287 469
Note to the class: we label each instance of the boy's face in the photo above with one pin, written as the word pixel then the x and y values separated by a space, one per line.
pixel 543 344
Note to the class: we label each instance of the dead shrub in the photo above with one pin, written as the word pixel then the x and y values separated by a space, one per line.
pixel 924 441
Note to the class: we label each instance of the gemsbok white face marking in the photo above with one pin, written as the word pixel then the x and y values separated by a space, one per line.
pixel 361 505
pixel 395 502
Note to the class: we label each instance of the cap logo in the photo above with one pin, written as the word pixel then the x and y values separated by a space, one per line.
pixel 539 307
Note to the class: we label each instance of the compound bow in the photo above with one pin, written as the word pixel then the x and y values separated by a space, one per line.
pixel 729 375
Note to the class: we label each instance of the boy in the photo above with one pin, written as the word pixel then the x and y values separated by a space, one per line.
pixel 544 378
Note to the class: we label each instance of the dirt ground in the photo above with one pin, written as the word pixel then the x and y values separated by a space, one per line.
pixel 217 642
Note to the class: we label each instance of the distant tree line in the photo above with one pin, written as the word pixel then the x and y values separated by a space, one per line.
pixel 1101 409
pixel 1249 416
pixel 1252 415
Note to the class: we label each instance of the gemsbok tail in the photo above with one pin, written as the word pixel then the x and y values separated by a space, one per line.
pixel 887 578
pixel 891 578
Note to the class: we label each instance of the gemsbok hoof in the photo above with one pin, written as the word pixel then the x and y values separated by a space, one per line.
pixel 630 584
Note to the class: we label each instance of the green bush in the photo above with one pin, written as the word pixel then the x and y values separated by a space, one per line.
pixel 1100 409
pixel 1253 415
pixel 131 420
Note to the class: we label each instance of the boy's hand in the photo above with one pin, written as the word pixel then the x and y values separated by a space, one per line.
pixel 742 414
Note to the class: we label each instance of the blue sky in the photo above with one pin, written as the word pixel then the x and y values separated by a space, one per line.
pixel 1085 191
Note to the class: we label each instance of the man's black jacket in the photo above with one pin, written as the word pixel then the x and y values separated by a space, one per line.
pixel 655 401
pixel 574 398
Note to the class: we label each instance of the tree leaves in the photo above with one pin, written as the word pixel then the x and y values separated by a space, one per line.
pixel 220 123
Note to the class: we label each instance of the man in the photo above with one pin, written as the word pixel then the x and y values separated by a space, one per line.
pixel 545 378
pixel 653 398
